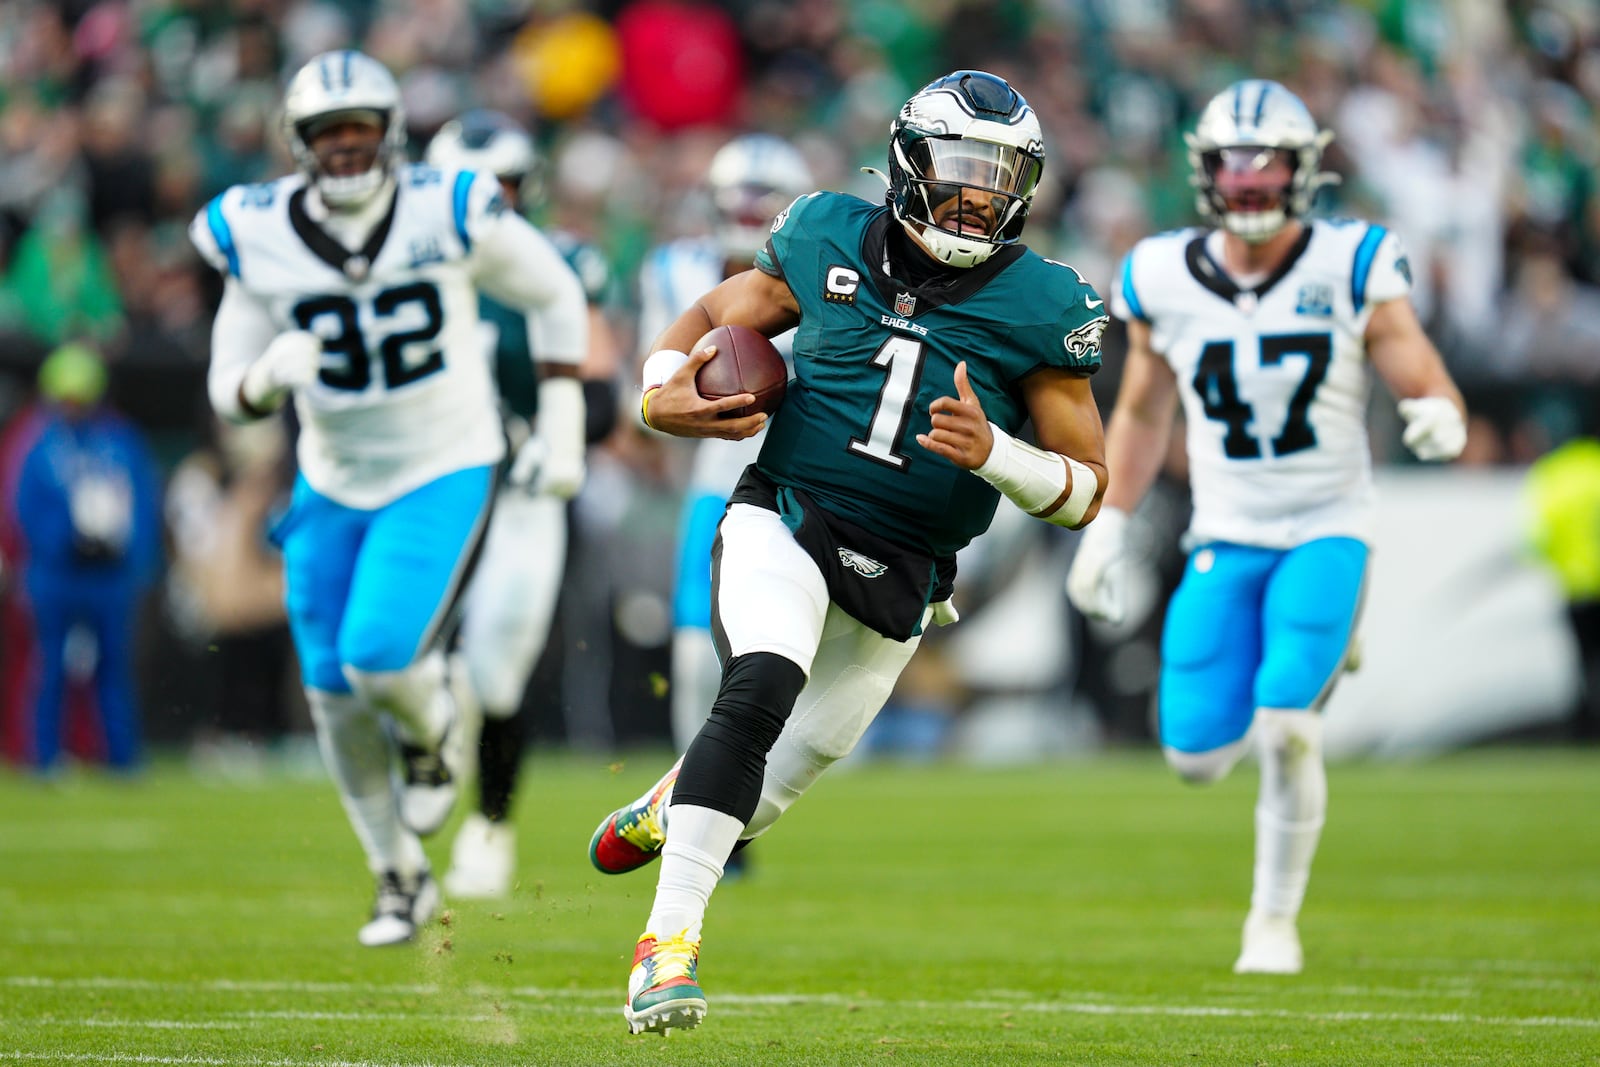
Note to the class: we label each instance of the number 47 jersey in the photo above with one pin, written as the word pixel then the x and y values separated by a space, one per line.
pixel 1274 378
pixel 404 395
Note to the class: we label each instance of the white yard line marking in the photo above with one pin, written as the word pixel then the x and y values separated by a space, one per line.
pixel 1001 1003
pixel 200 1061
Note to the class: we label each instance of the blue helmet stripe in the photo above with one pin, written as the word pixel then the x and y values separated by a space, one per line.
pixel 1261 103
pixel 222 234
pixel 459 202
pixel 1128 292
pixel 1366 252
pixel 345 73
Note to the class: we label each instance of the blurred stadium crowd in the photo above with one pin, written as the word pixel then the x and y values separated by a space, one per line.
pixel 1471 128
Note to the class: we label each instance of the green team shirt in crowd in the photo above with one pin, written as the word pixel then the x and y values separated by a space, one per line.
pixel 515 368
pixel 871 355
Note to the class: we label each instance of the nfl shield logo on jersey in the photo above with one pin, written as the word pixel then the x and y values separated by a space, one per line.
pixel 904 305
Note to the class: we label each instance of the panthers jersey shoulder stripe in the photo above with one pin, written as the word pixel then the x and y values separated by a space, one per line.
pixel 217 223
pixel 458 204
pixel 1130 292
pixel 1366 253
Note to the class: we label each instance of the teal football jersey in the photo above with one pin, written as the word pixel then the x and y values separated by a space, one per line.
pixel 871 355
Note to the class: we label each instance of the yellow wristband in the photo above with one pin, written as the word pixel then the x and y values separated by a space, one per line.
pixel 644 405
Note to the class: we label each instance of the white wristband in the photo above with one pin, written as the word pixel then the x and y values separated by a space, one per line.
pixel 661 366
pixel 1033 479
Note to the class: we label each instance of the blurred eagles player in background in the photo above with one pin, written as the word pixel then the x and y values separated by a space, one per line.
pixel 1263 328
pixel 511 602
pixel 750 180
pixel 352 285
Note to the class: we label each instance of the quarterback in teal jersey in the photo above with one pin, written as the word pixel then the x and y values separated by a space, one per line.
pixel 926 337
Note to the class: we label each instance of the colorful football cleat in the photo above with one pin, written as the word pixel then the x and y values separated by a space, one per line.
pixel 663 992
pixel 631 837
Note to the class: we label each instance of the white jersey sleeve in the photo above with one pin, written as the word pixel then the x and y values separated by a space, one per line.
pixel 1380 269
pixel 521 268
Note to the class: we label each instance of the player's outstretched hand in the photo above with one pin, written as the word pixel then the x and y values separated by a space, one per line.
pixel 1434 427
pixel 1096 583
pixel 960 430
pixel 676 406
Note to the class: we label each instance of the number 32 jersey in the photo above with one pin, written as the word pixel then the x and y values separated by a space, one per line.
pixel 404 395
pixel 1274 378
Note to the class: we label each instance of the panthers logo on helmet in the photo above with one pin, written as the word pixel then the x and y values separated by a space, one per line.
pixel 865 566
pixel 1084 341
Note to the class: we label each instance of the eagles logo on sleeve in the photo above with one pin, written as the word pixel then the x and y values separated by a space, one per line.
pixel 1085 340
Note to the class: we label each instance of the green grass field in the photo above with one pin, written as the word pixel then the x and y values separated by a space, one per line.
pixel 1078 913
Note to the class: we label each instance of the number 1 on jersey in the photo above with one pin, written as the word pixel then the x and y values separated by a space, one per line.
pixel 903 358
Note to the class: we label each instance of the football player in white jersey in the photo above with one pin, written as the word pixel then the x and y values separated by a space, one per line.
pixel 511 602
pixel 1264 328
pixel 352 286
pixel 751 179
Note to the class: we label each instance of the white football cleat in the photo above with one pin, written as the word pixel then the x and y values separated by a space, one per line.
pixel 402 908
pixel 1271 946
pixel 483 859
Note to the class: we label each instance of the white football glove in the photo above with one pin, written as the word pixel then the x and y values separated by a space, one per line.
pixel 292 361
pixel 526 465
pixel 1096 584
pixel 538 471
pixel 1434 427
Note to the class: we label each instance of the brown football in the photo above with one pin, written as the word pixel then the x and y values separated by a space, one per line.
pixel 746 362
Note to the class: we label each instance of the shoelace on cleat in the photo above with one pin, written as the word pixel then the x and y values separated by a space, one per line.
pixel 424 767
pixel 644 831
pixel 393 899
pixel 673 958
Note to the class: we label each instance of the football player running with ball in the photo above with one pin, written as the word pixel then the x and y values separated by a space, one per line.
pixel 927 337
pixel 751 179
pixel 352 286
pixel 1263 328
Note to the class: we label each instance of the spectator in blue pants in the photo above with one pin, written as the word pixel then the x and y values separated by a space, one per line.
pixel 88 500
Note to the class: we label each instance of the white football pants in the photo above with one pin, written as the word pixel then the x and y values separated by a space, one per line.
pixel 512 600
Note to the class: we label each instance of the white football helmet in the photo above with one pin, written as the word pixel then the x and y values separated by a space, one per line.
pixel 341 85
pixel 489 141
pixel 969 130
pixel 752 178
pixel 1262 120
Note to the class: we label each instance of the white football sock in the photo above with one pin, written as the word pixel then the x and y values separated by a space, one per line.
pixel 698 844
pixel 1290 810
pixel 358 755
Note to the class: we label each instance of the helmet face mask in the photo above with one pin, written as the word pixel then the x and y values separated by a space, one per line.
pixel 751 179
pixel 331 92
pixel 491 142
pixel 965 157
pixel 1256 156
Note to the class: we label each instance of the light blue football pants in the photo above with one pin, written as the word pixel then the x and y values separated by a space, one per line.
pixel 1254 628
